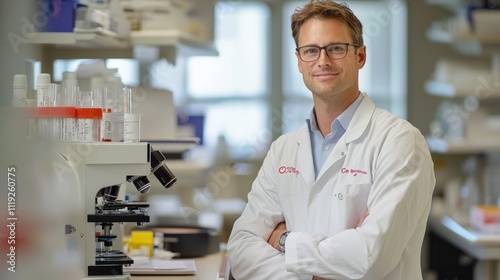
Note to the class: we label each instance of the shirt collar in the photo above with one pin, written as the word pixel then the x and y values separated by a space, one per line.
pixel 344 118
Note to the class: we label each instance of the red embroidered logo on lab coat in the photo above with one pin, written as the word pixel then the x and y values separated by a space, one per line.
pixel 288 169
pixel 354 172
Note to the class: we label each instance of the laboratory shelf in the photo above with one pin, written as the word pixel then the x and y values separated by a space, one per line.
pixel 441 36
pixel 449 90
pixel 463 146
pixel 173 144
pixel 186 43
pixel 467 43
pixel 79 39
pixel 452 5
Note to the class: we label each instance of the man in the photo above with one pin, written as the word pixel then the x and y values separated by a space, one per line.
pixel 347 196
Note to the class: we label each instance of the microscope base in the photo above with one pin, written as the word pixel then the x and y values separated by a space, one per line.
pixel 125 276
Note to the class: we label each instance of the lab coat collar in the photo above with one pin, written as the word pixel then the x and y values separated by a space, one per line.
pixel 357 126
pixel 360 120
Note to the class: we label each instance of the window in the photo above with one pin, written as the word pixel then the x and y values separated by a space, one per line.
pixel 232 88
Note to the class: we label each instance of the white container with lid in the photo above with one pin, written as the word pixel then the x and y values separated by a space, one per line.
pixel 20 88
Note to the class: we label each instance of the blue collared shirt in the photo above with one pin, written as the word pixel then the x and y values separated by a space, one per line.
pixel 321 147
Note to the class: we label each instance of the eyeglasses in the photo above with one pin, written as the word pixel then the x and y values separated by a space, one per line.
pixel 333 51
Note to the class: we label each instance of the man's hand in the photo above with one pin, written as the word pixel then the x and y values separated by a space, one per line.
pixel 274 238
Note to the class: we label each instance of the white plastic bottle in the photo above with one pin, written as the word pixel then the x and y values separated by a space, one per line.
pixel 42 90
pixel 69 79
pixel 20 88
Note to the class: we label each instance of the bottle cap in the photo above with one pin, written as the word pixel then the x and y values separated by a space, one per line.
pixel 69 75
pixel 43 79
pixel 20 81
pixel 69 79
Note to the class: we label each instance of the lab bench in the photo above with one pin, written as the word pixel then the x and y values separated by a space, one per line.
pixel 478 253
pixel 207 268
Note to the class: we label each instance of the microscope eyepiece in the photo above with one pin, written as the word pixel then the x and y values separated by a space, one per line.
pixel 160 169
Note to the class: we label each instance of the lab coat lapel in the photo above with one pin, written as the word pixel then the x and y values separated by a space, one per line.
pixel 356 128
pixel 304 156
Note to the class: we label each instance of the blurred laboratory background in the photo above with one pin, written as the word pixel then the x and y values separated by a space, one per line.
pixel 214 83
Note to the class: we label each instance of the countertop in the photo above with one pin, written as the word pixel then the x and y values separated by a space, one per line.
pixel 207 268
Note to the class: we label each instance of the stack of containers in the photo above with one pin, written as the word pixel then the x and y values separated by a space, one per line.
pixel 65 113
pixel 51 111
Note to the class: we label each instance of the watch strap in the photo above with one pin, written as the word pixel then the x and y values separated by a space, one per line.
pixel 282 240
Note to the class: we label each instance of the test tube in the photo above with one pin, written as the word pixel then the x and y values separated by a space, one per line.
pixel 70 100
pixel 88 117
pixel 117 110
pixel 56 102
pixel 106 122
pixel 131 121
pixel 42 115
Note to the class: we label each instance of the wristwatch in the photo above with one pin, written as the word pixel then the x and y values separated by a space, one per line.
pixel 281 241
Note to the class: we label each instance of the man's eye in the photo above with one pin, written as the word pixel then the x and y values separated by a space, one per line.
pixel 337 49
pixel 310 51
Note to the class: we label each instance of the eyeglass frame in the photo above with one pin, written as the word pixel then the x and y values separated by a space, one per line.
pixel 325 48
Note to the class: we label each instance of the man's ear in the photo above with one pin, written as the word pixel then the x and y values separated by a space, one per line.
pixel 298 62
pixel 361 56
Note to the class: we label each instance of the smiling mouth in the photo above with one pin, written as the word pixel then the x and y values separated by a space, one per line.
pixel 325 75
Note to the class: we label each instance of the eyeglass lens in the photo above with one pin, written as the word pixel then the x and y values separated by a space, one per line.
pixel 334 51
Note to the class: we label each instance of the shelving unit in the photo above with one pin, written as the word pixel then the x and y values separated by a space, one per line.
pixel 449 90
pixel 190 45
pixel 448 4
pixel 480 138
pixel 443 146
pixel 187 44
pixel 78 40
pixel 101 44
pixel 469 44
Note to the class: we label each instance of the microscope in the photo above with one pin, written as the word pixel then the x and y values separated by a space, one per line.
pixel 100 170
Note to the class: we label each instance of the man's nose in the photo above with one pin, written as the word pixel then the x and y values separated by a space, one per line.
pixel 324 59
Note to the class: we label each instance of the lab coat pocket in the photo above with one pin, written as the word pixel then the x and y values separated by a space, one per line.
pixel 349 204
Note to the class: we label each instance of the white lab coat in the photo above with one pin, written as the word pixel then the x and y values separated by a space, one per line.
pixel 381 164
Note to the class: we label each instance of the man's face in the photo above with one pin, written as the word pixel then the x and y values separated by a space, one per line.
pixel 326 77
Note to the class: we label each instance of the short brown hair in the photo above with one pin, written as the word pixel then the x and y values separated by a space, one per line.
pixel 326 9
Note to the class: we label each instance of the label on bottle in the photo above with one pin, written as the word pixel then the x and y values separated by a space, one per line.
pixel 88 130
pixel 69 130
pixel 106 129
pixel 131 128
pixel 42 96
